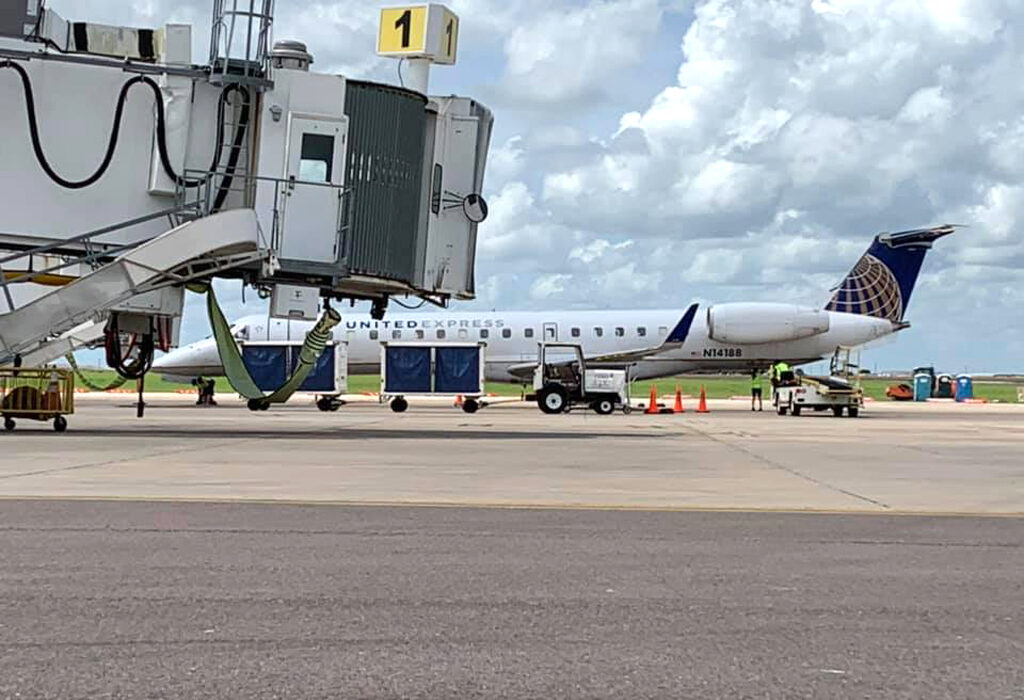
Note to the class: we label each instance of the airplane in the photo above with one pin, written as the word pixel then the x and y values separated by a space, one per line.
pixel 869 304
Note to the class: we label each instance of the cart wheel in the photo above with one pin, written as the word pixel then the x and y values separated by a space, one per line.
pixel 853 411
pixel 627 410
pixel 782 410
pixel 470 405
pixel 796 410
pixel 399 404
pixel 60 424
pixel 603 407
pixel 9 423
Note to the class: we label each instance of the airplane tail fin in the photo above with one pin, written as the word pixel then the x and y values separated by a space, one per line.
pixel 881 282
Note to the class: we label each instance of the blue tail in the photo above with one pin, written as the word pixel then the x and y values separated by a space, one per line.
pixel 881 282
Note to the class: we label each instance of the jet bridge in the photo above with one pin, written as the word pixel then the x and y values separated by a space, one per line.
pixel 130 170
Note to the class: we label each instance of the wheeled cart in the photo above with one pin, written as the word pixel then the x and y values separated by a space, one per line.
pixel 41 394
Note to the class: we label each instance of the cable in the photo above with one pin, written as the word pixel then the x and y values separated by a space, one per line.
pixel 400 81
pixel 406 306
pixel 236 144
pixel 117 360
pixel 161 132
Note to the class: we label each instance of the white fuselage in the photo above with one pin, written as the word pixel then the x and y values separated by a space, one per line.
pixel 511 339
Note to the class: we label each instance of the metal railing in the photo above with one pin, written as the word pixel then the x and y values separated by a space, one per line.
pixel 240 37
pixel 269 196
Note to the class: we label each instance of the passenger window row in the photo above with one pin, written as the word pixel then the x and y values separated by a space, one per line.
pixel 484 333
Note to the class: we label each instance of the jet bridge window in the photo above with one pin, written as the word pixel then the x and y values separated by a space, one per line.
pixel 528 333
pixel 574 332
pixel 317 158
pixel 598 331
pixel 620 332
pixel 435 188
pixel 641 331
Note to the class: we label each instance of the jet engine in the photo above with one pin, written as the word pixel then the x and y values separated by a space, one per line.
pixel 756 323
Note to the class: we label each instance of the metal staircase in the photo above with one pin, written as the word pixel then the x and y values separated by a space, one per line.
pixel 51 324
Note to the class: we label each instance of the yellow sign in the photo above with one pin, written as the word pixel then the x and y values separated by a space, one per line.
pixel 449 45
pixel 403 30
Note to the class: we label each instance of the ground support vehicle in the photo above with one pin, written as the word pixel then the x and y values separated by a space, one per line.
pixel 819 394
pixel 563 379
pixel 41 394
pixel 452 369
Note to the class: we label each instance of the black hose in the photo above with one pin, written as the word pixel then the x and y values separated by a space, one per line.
pixel 236 144
pixel 161 132
pixel 112 345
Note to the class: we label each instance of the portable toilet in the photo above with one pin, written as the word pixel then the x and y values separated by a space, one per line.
pixel 945 387
pixel 922 386
pixel 964 387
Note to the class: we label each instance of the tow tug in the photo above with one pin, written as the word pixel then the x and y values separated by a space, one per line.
pixel 566 381
pixel 838 392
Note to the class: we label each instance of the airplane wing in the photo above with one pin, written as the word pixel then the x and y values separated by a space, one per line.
pixel 673 340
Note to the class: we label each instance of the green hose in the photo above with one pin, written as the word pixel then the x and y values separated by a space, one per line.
pixel 234 367
pixel 118 381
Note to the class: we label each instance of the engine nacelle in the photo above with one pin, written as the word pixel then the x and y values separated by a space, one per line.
pixel 757 323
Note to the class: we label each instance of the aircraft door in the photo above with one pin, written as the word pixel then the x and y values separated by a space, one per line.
pixel 550 332
pixel 312 209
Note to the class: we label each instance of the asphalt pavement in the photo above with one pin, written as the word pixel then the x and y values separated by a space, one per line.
pixel 128 599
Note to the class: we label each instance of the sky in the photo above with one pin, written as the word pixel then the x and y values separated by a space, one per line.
pixel 650 154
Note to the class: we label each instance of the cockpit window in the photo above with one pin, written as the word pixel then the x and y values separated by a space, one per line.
pixel 240 333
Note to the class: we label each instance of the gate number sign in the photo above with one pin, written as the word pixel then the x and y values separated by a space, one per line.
pixel 419 31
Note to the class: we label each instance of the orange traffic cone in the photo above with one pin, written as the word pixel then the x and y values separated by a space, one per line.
pixel 652 405
pixel 458 401
pixel 702 407
pixel 678 407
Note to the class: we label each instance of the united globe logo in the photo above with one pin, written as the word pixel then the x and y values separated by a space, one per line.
pixel 870 289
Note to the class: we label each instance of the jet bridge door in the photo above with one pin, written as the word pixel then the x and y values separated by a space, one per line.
pixel 312 207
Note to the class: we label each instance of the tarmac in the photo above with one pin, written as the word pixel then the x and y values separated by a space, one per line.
pixel 924 458
pixel 214 552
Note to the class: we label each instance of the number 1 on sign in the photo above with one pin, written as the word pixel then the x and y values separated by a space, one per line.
pixel 405 24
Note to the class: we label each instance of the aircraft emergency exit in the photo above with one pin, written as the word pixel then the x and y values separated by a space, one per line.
pixel 870 303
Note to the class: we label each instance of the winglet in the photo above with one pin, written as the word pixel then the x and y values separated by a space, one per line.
pixel 682 329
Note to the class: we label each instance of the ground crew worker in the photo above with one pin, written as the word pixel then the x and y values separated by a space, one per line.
pixel 779 370
pixel 200 384
pixel 755 390
pixel 208 390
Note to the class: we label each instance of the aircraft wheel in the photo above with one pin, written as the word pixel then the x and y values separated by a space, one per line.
pixel 603 407
pixel 60 424
pixel 470 405
pixel 553 399
pixel 324 403
pixel 853 411
pixel 399 404
pixel 9 423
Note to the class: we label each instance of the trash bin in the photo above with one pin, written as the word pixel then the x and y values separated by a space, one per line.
pixel 945 387
pixel 922 387
pixel 964 387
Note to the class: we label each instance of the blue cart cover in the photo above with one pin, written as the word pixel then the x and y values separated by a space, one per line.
pixel 457 371
pixel 321 378
pixel 407 370
pixel 267 365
